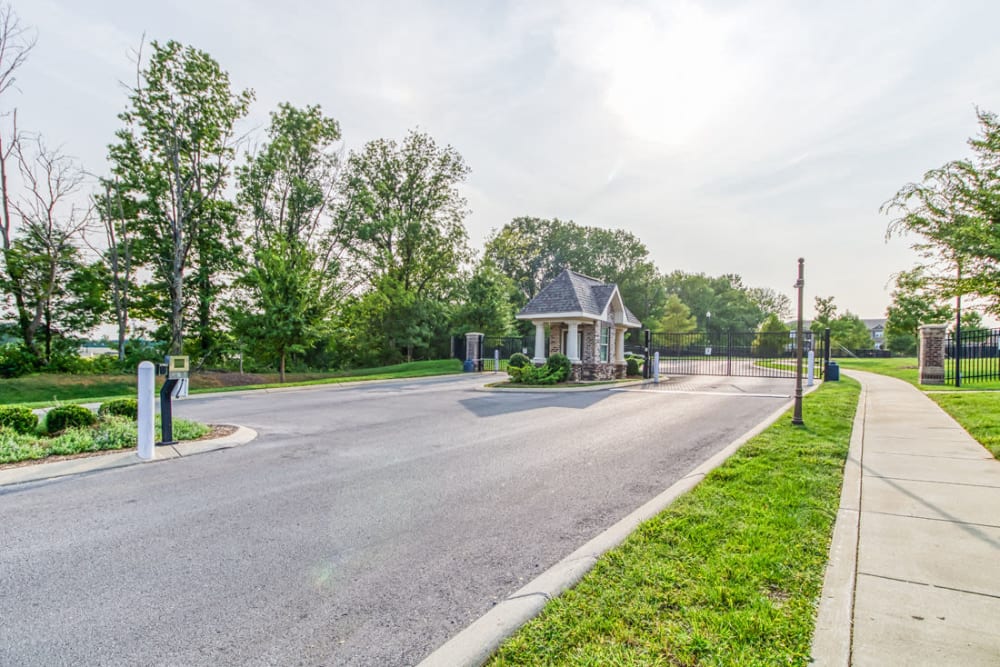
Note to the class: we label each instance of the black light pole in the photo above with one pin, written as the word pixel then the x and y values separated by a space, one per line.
pixel 958 327
pixel 797 415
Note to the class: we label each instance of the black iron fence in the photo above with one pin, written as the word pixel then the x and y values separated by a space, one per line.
pixel 976 358
pixel 492 347
pixel 746 354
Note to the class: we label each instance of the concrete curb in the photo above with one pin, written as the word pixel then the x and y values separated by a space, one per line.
pixel 475 644
pixel 41 471
pixel 831 644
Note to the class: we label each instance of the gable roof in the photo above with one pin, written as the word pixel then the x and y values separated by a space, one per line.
pixel 572 293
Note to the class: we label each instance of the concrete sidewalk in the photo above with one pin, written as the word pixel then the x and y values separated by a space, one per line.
pixel 914 574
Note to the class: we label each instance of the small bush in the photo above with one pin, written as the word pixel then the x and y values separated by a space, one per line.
pixel 16 447
pixel 16 360
pixel 120 407
pixel 18 419
pixel 631 366
pixel 518 360
pixel 188 430
pixel 73 440
pixel 558 367
pixel 116 432
pixel 68 416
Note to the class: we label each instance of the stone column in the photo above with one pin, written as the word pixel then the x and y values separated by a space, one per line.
pixel 571 351
pixel 539 343
pixel 472 346
pixel 931 353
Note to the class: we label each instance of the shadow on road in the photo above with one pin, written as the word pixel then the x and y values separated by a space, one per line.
pixel 492 405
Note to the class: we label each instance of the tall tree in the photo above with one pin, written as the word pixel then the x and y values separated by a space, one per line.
pixel 402 221
pixel 174 156
pixel 285 192
pixel 16 42
pixel 955 213
pixel 772 337
pixel 43 261
pixel 486 305
pixel 118 215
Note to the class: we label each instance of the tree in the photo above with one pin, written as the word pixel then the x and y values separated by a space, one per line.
pixel 677 317
pixel 16 42
pixel 772 337
pixel 173 157
pixel 770 301
pixel 847 331
pixel 533 251
pixel 43 261
pixel 487 305
pixel 118 218
pixel 401 220
pixel 914 303
pixel 955 210
pixel 292 283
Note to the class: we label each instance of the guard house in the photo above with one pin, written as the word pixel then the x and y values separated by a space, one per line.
pixel 587 321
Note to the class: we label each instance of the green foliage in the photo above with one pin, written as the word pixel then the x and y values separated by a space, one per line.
pixel 185 430
pixel 171 163
pixel 487 304
pixel 558 366
pixel 733 306
pixel 848 331
pixel 914 303
pixel 120 407
pixel 677 317
pixel 73 440
pixel 954 211
pixel 518 360
pixel 292 280
pixel 18 419
pixel 17 360
pixel 116 432
pixel 772 337
pixel 68 416
pixel 632 366
pixel 556 369
pixel 16 447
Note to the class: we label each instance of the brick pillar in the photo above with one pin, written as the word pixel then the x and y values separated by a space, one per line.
pixel 472 347
pixel 931 353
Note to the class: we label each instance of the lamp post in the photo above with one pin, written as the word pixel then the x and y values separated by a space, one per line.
pixel 797 414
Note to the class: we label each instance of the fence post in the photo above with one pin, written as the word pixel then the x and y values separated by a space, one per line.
pixel 729 353
pixel 932 353
pixel 646 370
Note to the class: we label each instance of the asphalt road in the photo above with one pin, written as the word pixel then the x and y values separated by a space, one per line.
pixel 365 526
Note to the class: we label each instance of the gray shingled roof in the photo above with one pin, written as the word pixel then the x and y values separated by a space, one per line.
pixel 572 292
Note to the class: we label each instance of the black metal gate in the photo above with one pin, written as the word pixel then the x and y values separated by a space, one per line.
pixel 975 359
pixel 753 354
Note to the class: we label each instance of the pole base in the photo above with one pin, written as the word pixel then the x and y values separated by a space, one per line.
pixel 797 422
pixel 166 444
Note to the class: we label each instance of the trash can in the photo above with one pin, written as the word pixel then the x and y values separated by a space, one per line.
pixel 832 372
pixel 468 366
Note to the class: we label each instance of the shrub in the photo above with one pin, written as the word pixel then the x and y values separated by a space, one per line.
pixel 518 360
pixel 18 419
pixel 16 360
pixel 73 440
pixel 188 430
pixel 631 366
pixel 68 416
pixel 120 407
pixel 557 367
pixel 116 432
pixel 16 447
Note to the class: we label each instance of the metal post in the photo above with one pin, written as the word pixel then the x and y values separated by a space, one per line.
pixel 496 360
pixel 797 414
pixel 656 367
pixel 729 353
pixel 958 329
pixel 811 369
pixel 647 371
pixel 146 410
pixel 167 413
pixel 826 349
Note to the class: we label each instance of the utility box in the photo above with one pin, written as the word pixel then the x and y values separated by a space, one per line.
pixel 178 367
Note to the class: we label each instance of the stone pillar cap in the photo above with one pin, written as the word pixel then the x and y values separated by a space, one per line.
pixel 933 326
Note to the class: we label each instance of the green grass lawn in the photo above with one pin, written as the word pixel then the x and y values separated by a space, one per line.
pixel 905 368
pixel 43 389
pixel 730 574
pixel 978 413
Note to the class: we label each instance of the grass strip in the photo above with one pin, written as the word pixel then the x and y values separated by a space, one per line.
pixel 729 574
pixel 907 369
pixel 44 389
pixel 978 413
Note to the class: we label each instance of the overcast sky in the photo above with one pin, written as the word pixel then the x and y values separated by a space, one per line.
pixel 728 136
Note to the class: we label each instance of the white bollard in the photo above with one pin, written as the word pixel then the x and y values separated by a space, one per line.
pixel 147 410
pixel 496 360
pixel 811 373
pixel 656 367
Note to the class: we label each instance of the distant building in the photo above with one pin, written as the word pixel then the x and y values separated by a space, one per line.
pixel 875 326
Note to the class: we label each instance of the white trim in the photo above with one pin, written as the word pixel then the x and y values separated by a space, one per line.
pixel 561 317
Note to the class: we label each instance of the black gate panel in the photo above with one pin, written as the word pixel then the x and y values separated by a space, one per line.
pixel 752 354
